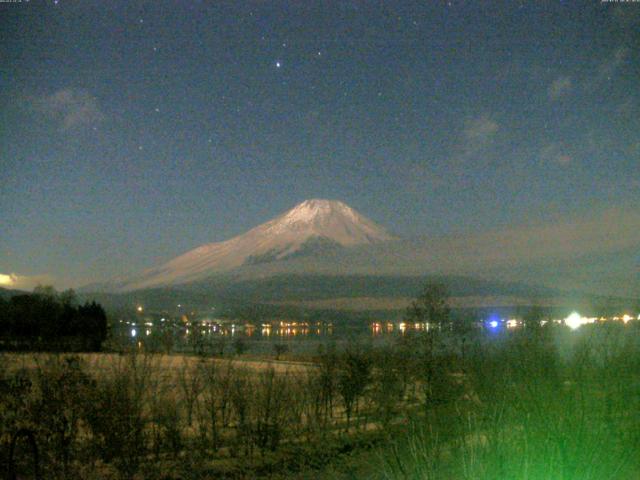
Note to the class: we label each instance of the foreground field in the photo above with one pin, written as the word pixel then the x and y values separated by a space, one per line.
pixel 169 364
pixel 538 404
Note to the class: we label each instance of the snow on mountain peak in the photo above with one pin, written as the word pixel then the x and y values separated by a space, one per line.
pixel 328 220
pixel 318 209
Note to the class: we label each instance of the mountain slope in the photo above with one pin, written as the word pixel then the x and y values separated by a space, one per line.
pixel 313 225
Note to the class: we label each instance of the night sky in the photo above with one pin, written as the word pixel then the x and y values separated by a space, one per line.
pixel 131 132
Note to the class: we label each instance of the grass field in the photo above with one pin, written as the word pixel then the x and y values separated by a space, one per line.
pixel 540 404
pixel 167 363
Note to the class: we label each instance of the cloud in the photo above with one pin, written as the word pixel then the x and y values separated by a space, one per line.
pixel 71 108
pixel 555 153
pixel 579 237
pixel 480 130
pixel 559 87
pixel 477 134
pixel 609 230
pixel 24 282
pixel 565 246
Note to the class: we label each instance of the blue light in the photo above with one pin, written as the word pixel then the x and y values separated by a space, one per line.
pixel 493 324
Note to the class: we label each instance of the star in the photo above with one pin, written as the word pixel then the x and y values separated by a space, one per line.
pixel 157 110
pixel 140 147
pixel 278 64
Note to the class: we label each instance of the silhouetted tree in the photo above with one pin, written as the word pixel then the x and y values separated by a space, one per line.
pixel 533 316
pixel 45 318
pixel 431 306
pixel 69 297
pixel 240 346
pixel 354 374
pixel 280 349
pixel 93 324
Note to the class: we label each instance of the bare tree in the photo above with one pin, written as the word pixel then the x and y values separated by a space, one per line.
pixel 216 399
pixel 431 307
pixel 190 384
pixel 354 373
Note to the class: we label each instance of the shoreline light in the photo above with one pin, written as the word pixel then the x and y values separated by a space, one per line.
pixel 575 320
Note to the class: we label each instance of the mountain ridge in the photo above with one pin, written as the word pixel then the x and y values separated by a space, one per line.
pixel 312 226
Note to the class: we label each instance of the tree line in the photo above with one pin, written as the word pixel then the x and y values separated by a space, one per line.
pixel 46 319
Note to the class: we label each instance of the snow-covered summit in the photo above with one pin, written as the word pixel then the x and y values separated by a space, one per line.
pixel 330 221
pixel 311 210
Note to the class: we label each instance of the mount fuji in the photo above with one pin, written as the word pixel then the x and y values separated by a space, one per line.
pixel 324 248
pixel 313 227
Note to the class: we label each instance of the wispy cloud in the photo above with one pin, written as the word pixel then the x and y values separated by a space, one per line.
pixel 481 129
pixel 70 108
pixel 559 87
pixel 603 232
pixel 24 282
pixel 607 231
pixel 555 153
pixel 478 133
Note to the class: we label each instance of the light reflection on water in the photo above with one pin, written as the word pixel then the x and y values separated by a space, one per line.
pixel 217 336
pixel 206 329
pixel 278 330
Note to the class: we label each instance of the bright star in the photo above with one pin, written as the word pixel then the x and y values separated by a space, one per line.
pixel 278 64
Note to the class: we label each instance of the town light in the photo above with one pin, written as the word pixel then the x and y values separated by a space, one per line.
pixel 574 321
